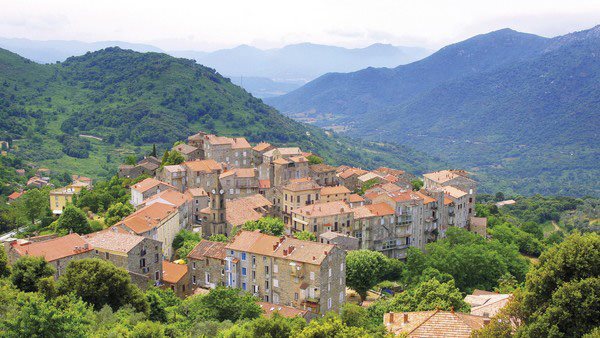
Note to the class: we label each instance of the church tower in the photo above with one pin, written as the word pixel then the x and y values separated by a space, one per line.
pixel 217 224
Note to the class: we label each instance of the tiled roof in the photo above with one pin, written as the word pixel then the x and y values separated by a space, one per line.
pixel 454 192
pixel 373 210
pixel 291 151
pixel 426 199
pixel 174 168
pixel 351 171
pixel 433 324
pixel 390 187
pixel 15 195
pixel 264 184
pixel 323 209
pixel 273 246
pixel 263 146
pixel 443 176
pixel 240 210
pixel 281 161
pixel 487 303
pixel 205 166
pixel 113 240
pixel 172 272
pixel 298 159
pixel 148 217
pixel 369 176
pixel 285 311
pixel 340 189
pixel 322 168
pixel 208 249
pixel 389 171
pixel 196 192
pixel 148 184
pixel 302 184
pixel 185 148
pixel 240 172
pixel 53 249
pixel 171 197
pixel 355 198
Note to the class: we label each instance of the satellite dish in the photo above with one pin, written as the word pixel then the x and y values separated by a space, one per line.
pixel 214 191
pixel 222 191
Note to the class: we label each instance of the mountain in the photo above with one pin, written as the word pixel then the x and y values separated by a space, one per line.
pixel 58 50
pixel 302 62
pixel 519 110
pixel 85 115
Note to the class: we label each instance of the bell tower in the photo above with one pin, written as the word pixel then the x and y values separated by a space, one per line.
pixel 217 224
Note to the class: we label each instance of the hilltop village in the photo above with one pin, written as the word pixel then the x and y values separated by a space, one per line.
pixel 221 183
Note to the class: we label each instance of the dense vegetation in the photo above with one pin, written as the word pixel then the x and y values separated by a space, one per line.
pixel 89 113
pixel 517 109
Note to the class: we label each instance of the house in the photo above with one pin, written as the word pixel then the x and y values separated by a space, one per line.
pixel 58 252
pixel 298 193
pixel 355 200
pixel 322 217
pixel 433 324
pixel 206 264
pixel 82 180
pixel 258 151
pixel 147 166
pixel 334 193
pixel 158 221
pixel 285 270
pixel 323 174
pixel 176 277
pixel 487 304
pixel 189 152
pixel 505 202
pixel 183 203
pixel 141 256
pixel 236 211
pixel 175 175
pixel 38 182
pixel 345 242
pixel 147 188
pixel 200 200
pixel 239 182
pixel 14 196
pixel 458 179
pixel 59 198
pixel 348 177
pixel 236 152
pixel 478 225
pixel 202 173
pixel 459 213
pixel 376 227
pixel 284 170
pixel 285 311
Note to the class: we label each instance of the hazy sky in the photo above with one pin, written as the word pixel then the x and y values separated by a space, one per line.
pixel 208 25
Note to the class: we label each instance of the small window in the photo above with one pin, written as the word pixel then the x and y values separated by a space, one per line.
pixel 243 271
pixel 243 256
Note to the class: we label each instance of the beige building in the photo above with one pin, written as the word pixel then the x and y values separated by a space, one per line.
pixel 322 217
pixel 323 174
pixel 235 213
pixel 147 188
pixel 175 175
pixel 348 177
pixel 239 182
pixel 287 271
pixel 334 193
pixel 433 324
pixel 236 152
pixel 142 257
pixel 458 179
pixel 296 194
pixel 200 200
pixel 487 304
pixel 183 203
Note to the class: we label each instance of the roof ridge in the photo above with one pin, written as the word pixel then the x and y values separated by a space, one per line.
pixel 425 320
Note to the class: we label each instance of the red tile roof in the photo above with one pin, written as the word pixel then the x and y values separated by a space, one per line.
pixel 208 249
pixel 205 166
pixel 323 209
pixel 433 324
pixel 148 217
pixel 148 184
pixel 173 273
pixel 285 311
pixel 15 195
pixel 54 249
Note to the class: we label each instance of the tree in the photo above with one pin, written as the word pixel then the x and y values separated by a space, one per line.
pixel 430 295
pixel 221 304
pixel 218 238
pixel 314 159
pixel 35 204
pixel 28 270
pixel 305 236
pixel 37 317
pixel 276 326
pixel 157 306
pixel 148 329
pixel 364 269
pixel 153 153
pixel 74 220
pixel 4 269
pixel 367 185
pixel 172 157
pixel 131 160
pixel 331 326
pixel 417 184
pixel 267 225
pixel 117 212
pixel 183 236
pixel 100 283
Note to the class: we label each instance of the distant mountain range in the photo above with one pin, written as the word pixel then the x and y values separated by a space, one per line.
pixel 264 73
pixel 514 108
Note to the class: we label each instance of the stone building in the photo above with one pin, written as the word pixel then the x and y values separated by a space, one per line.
pixel 176 278
pixel 322 217
pixel 323 174
pixel 142 257
pixel 239 182
pixel 206 264
pixel 298 193
pixel 147 188
pixel 343 241
pixel 58 252
pixel 236 152
pixel 200 200
pixel 433 324
pixel 202 173
pixel 334 193
pixel 377 228
pixel 175 175
pixel 458 179
pixel 183 203
pixel 288 271
pixel 189 152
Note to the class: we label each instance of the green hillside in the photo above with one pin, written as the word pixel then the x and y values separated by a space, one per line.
pixel 122 102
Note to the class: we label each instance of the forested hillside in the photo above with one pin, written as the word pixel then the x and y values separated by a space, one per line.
pixel 519 110
pixel 86 114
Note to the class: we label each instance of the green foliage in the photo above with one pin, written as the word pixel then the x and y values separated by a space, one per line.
pixel 267 225
pixel 37 317
pixel 105 193
pixel 131 160
pixel 218 238
pixel 314 159
pixel 4 268
pixel 305 236
pixel 74 220
pixel 116 212
pixel 35 204
pixel 331 326
pixel 28 270
pixel 364 269
pixel 221 304
pixel 100 283
pixel 417 184
pixel 367 185
pixel 148 329
pixel 172 157
pixel 184 242
pixel 274 327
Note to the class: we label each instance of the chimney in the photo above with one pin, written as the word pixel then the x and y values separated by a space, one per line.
pixel 452 309
pixel 275 246
pixel 325 253
pixel 285 252
pixel 486 321
pixel 314 258
pixel 405 317
pixel 291 248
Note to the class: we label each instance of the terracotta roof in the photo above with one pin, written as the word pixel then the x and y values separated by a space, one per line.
pixel 389 171
pixel 263 146
pixel 442 176
pixel 148 217
pixel 434 324
pixel 208 249
pixel 373 210
pixel 285 311
pixel 322 168
pixel 172 272
pixel 235 142
pixel 264 184
pixel 426 199
pixel 302 184
pixel 371 195
pixel 53 249
pixel 290 151
pixel 488 303
pixel 240 172
pixel 281 161
pixel 351 171
pixel 454 192
pixel 340 189
pixel 174 168
pixel 170 197
pixel 113 240
pixel 184 148
pixel 298 159
pixel 240 210
pixel 303 251
pixel 355 198
pixel 390 187
pixel 323 209
pixel 205 166
pixel 148 184
pixel 447 201
pixel 369 176
pixel 196 192
pixel 15 195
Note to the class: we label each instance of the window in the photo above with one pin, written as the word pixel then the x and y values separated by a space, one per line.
pixel 194 280
pixel 243 256
pixel 341 296
pixel 207 277
pixel 329 272
pixel 329 303
pixel 106 255
pixel 193 265
pixel 142 262
pixel 253 274
pixel 275 268
pixel 341 281
pixel 275 283
pixel 157 275
pixel 244 286
pixel 266 285
pixel 342 267
pixel 266 270
pixel 312 275
pixel 243 271
pixel 156 258
pixel 295 295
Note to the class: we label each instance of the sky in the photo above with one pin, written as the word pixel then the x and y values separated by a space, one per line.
pixel 210 25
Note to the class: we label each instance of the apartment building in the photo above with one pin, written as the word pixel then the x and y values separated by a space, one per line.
pixel 175 175
pixel 206 264
pixel 378 229
pixel 334 193
pixel 298 193
pixel 200 200
pixel 318 218
pixel 236 152
pixel 183 203
pixel 323 174
pixel 287 271
pixel 239 182
pixel 458 179
pixel 202 173
pixel 147 188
